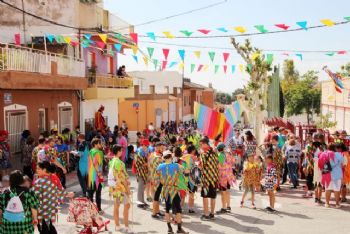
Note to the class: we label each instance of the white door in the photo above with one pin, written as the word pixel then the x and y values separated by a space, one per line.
pixel 172 111
pixel 42 120
pixel 159 113
pixel 16 123
pixel 65 118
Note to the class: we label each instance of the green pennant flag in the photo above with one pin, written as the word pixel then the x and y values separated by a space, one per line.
pixel 120 37
pixel 155 62
pixel 60 39
pixel 216 69
pixel 269 58
pixel 330 54
pixel 192 67
pixel 249 67
pixel 186 33
pixel 211 55
pixel 347 18
pixel 150 51
pixel 261 28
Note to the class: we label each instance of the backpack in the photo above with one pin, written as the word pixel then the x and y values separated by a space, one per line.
pixel 14 211
pixel 327 168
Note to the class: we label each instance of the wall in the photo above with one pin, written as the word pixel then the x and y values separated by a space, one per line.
pixel 159 79
pixel 207 98
pixel 187 103
pixel 89 108
pixel 65 12
pixel 41 99
pixel 101 61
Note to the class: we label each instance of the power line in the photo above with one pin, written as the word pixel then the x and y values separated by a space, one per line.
pixel 177 15
pixel 251 34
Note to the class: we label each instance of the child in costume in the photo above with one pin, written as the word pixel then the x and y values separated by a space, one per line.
pixel 308 168
pixel 317 172
pixel 141 169
pixel 270 182
pixel 227 178
pixel 251 178
pixel 121 190
pixel 169 174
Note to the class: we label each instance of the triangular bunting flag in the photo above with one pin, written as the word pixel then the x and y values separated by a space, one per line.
pixel 155 62
pixel 60 39
pixel 85 44
pixel 204 31
pixel 120 37
pixel 50 37
pixel 134 49
pixel 166 53
pixel 103 37
pixel 222 29
pixel 233 68
pixel 67 39
pixel 100 44
pixel 241 67
pixel 347 18
pixel 199 68
pixel 192 67
pixel 225 68
pixel 302 24
pixel 181 66
pixel 186 33
pixel 150 51
pixel 261 28
pixel 145 60
pixel 197 54
pixel 151 35
pixel 168 35
pixel 211 55
pixel 269 58
pixel 300 56
pixel 164 63
pixel 18 39
pixel 216 69
pixel 134 37
pixel 118 47
pixel 87 36
pixel 205 68
pixel 328 22
pixel 330 53
pixel 341 52
pixel 240 29
pixel 282 26
pixel 226 55
pixel 135 58
pixel 182 54
pixel 74 43
pixel 172 64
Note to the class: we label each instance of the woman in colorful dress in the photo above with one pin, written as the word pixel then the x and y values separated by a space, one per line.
pixel 121 190
pixel 226 179
pixel 251 179
pixel 270 182
pixel 10 222
pixel 50 193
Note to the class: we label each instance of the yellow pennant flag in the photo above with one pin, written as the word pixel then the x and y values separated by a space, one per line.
pixel 205 68
pixel 255 55
pixel 67 39
pixel 168 34
pixel 240 29
pixel 103 37
pixel 134 49
pixel 197 54
pixel 145 59
pixel 241 67
pixel 328 22
pixel 181 66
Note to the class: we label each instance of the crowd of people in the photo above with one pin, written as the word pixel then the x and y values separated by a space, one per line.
pixel 171 164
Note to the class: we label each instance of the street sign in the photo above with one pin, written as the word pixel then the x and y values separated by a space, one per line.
pixel 7 98
pixel 136 105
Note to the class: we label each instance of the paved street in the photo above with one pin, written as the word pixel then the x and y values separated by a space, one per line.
pixel 295 215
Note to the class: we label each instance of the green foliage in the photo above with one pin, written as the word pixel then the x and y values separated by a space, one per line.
pixel 236 92
pixel 290 74
pixel 223 98
pixel 325 121
pixel 345 70
pixel 303 96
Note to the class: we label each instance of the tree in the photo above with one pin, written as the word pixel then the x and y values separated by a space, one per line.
pixel 236 92
pixel 345 70
pixel 258 68
pixel 290 74
pixel 304 96
pixel 282 103
pixel 223 98
pixel 325 121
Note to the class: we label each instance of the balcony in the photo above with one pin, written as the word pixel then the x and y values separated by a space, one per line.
pixel 109 87
pixel 27 68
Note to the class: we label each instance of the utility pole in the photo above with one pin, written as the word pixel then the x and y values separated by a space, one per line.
pixel 24 24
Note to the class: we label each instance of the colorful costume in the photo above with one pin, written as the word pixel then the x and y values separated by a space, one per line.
pixel 270 177
pixel 153 161
pixel 169 174
pixel 120 190
pixel 210 170
pixel 100 122
pixel 95 161
pixel 140 161
pixel 226 162
pixel 251 175
pixel 346 171
pixel 4 152
pixel 278 161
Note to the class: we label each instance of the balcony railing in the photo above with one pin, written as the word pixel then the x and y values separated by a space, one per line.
pixel 109 81
pixel 31 60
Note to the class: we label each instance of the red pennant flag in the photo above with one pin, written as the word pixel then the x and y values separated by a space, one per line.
pixel 164 65
pixel 74 43
pixel 226 55
pixel 134 37
pixel 204 31
pixel 342 52
pixel 225 68
pixel 283 26
pixel 18 39
pixel 166 53
pixel 200 68
pixel 100 44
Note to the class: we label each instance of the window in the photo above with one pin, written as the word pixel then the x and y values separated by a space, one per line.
pixel 65 116
pixel 42 120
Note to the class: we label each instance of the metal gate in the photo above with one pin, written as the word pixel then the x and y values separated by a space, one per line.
pixel 16 122
pixel 65 118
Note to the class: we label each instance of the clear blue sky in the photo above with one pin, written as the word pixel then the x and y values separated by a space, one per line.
pixel 239 13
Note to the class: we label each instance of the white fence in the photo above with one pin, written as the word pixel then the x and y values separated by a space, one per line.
pixel 29 60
